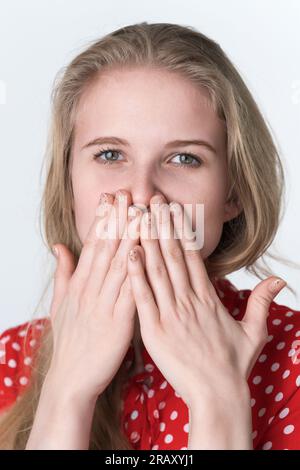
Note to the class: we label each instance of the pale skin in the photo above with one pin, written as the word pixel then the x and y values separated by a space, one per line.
pixel 110 300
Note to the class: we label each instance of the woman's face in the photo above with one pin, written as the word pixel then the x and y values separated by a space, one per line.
pixel 149 109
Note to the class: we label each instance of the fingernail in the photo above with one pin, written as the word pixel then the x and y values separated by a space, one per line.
pixel 133 255
pixel 277 284
pixel 55 251
pixel 104 197
pixel 121 196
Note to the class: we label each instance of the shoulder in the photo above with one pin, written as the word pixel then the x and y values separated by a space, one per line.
pixel 17 347
pixel 274 381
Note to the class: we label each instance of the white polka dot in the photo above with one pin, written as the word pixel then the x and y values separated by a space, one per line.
pixel 261 412
pixel 27 361
pixel 149 367
pixel 270 337
pixel 23 380
pixel 150 379
pixel 177 394
pixel 186 427
pixel 8 382
pixel 270 420
pixel 162 426
pixel 151 393
pixel 254 434
pixel 276 321
pixel 235 312
pixel 269 389
pixel 262 358
pixel 142 397
pixel 155 447
pixel 298 381
pixel 286 373
pixel 156 414
pixel 168 438
pixel 173 415
pixel 134 414
pixel 280 345
pixel 257 379
pixel 22 333
pixel 289 314
pixel 289 429
pixel 161 405
pixel 163 385
pixel 288 327
pixel 279 396
pixel 12 363
pixel 253 401
pixel 183 448
pixel 5 339
pixel 39 327
pixel 297 333
pixel 16 346
pixel 291 352
pixel 32 343
pixel 284 413
pixel 267 445
pixel 134 436
pixel 275 366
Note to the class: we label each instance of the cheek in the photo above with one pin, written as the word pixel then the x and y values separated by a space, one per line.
pixel 86 190
pixel 213 225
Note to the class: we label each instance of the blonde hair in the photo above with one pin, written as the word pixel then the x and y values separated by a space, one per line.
pixel 256 182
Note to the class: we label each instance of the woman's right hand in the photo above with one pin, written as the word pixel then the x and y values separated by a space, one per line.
pixel 93 309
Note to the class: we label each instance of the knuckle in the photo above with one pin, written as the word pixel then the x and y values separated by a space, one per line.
pixel 158 270
pixel 175 253
pixel 145 296
pixel 191 254
pixel 117 264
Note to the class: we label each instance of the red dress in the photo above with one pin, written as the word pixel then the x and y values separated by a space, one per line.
pixel 154 415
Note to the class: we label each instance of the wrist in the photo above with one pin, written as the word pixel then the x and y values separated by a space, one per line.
pixel 221 421
pixel 63 419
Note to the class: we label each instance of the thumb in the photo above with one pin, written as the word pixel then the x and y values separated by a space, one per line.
pixel 259 302
pixel 65 266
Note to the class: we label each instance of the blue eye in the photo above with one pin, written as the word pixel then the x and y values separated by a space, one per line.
pixel 189 159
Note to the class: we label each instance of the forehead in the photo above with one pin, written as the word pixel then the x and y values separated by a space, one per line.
pixel 141 101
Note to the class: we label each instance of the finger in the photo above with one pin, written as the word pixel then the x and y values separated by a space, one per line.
pixel 91 241
pixel 108 245
pixel 259 302
pixel 118 267
pixel 197 272
pixel 125 306
pixel 144 299
pixel 156 270
pixel 65 266
pixel 170 247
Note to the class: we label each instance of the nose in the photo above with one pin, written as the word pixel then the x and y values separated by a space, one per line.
pixel 143 187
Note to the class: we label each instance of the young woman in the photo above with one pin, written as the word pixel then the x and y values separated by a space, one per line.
pixel 148 345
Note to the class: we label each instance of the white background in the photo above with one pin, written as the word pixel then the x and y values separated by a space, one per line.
pixel 37 38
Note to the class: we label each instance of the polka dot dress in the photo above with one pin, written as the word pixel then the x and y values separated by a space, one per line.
pixel 154 417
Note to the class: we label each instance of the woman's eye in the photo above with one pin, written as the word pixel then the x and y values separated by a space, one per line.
pixel 187 159
pixel 110 156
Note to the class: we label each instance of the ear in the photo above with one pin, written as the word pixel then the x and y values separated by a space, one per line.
pixel 232 209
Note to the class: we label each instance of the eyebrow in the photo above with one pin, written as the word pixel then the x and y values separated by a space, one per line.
pixel 174 143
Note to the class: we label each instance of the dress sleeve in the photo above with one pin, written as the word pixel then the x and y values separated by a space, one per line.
pixel 17 347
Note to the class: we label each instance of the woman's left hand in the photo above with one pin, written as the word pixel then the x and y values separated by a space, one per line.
pixel 200 349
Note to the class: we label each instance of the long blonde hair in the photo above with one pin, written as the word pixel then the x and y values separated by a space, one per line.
pixel 255 172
